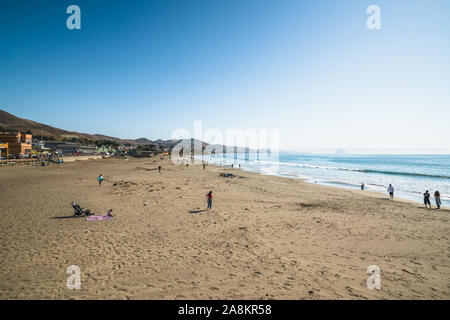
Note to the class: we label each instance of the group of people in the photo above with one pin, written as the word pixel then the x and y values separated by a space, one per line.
pixel 437 198
pixel 426 197
pixel 226 175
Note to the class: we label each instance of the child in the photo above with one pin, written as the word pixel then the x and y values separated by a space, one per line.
pixel 100 179
pixel 109 214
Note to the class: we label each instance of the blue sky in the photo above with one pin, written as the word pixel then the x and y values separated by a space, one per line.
pixel 311 69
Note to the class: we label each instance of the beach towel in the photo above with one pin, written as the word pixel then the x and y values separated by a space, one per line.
pixel 97 218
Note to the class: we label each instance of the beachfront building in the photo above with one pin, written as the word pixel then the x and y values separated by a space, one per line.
pixel 65 147
pixel 61 146
pixel 3 150
pixel 106 149
pixel 18 143
pixel 87 149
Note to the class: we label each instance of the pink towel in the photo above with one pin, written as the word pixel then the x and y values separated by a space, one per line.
pixel 96 218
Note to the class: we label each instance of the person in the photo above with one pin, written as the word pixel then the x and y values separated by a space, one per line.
pixel 362 187
pixel 109 214
pixel 391 192
pixel 437 198
pixel 209 197
pixel 159 169
pixel 204 166
pixel 426 199
pixel 100 179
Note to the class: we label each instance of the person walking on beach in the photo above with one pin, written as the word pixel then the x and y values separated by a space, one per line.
pixel 391 192
pixel 204 166
pixel 437 198
pixel 100 179
pixel 362 187
pixel 209 199
pixel 159 169
pixel 426 199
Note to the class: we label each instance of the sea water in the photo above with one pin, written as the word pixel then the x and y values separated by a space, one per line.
pixel 411 175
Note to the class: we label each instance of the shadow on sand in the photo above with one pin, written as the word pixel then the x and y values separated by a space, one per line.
pixel 67 217
pixel 197 211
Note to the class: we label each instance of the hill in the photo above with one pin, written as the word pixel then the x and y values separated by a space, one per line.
pixel 9 122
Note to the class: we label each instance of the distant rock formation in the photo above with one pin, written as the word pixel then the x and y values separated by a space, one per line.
pixel 340 152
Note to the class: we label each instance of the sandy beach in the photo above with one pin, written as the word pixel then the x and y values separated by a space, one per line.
pixel 267 237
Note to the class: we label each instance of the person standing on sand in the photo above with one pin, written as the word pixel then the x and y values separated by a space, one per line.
pixel 437 198
pixel 391 192
pixel 204 166
pixel 100 179
pixel 362 187
pixel 426 199
pixel 209 199
pixel 159 169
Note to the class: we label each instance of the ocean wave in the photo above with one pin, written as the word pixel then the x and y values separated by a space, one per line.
pixel 402 173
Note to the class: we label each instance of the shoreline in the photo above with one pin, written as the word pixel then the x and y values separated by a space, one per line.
pixel 331 185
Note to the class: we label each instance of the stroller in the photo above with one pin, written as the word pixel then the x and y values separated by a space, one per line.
pixel 78 211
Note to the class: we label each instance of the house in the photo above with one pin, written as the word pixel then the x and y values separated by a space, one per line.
pixel 18 143
pixel 3 150
pixel 66 147
pixel 62 146
pixel 87 149
pixel 106 149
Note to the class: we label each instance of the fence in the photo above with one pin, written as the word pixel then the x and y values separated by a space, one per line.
pixel 23 162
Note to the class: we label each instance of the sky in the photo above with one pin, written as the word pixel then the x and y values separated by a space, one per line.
pixel 310 69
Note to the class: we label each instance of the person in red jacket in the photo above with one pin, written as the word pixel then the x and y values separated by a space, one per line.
pixel 209 198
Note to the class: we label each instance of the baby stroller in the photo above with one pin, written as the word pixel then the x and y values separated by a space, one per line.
pixel 79 211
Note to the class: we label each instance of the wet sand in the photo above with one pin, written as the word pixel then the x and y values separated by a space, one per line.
pixel 266 238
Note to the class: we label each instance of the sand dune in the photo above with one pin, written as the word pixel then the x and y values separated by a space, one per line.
pixel 266 237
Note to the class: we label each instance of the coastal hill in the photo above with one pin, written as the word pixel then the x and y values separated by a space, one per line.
pixel 9 122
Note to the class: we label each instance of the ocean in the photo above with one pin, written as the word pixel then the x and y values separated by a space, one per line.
pixel 411 175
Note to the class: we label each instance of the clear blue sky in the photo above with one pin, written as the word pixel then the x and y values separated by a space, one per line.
pixel 309 68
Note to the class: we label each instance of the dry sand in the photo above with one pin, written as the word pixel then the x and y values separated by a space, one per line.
pixel 266 237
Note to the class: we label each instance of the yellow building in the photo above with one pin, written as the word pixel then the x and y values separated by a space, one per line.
pixel 4 150
pixel 18 143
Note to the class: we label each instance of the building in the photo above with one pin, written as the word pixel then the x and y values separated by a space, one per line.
pixel 106 149
pixel 18 143
pixel 87 149
pixel 66 147
pixel 3 150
